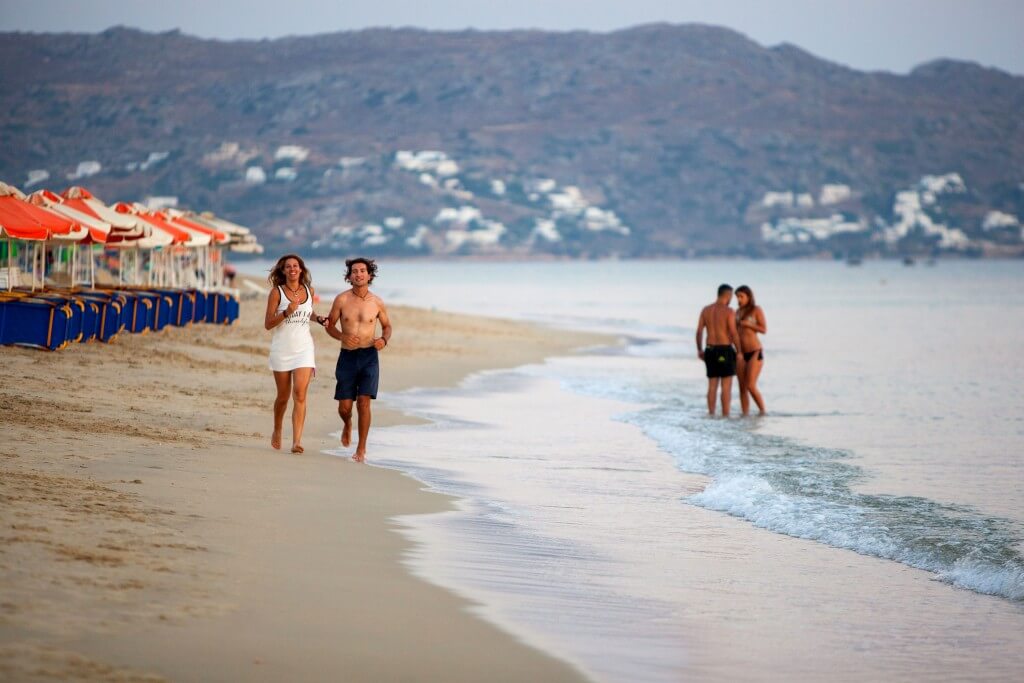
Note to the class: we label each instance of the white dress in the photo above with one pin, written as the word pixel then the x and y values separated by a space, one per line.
pixel 292 344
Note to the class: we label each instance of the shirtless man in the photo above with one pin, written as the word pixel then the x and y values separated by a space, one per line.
pixel 720 354
pixel 358 369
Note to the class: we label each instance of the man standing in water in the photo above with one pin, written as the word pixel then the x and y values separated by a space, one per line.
pixel 719 355
pixel 358 369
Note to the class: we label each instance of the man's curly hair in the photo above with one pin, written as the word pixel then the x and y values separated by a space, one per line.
pixel 371 267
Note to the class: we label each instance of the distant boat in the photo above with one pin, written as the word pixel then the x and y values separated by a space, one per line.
pixel 908 260
pixel 854 260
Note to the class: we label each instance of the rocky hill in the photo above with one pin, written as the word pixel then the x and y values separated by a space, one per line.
pixel 658 140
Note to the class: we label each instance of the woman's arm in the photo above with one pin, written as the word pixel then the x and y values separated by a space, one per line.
pixel 759 324
pixel 272 318
pixel 319 319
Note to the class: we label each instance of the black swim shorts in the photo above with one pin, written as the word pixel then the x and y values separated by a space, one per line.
pixel 720 361
pixel 357 372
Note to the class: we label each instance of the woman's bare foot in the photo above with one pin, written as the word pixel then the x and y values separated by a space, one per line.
pixel 275 440
pixel 297 448
pixel 346 435
pixel 360 456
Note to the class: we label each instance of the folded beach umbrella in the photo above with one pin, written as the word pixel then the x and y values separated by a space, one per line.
pixel 16 223
pixel 160 233
pixel 91 229
pixel 123 227
pixel 242 240
pixel 182 219
pixel 16 202
pixel 221 224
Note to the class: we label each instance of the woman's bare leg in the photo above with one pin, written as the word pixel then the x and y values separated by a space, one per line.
pixel 283 380
pixel 741 376
pixel 754 368
pixel 300 385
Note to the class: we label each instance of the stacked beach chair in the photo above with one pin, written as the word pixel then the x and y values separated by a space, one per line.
pixel 169 268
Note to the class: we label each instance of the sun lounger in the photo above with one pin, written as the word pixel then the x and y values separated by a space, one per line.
pixel 36 322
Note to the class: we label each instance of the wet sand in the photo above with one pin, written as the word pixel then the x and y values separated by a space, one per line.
pixel 149 532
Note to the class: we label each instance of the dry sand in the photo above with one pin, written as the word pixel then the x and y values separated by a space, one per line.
pixel 149 532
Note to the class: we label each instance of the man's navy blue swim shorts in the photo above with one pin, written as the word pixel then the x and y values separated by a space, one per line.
pixel 357 372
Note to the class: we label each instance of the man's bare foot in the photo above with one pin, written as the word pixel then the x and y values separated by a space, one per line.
pixel 346 435
pixel 298 449
pixel 360 456
pixel 275 440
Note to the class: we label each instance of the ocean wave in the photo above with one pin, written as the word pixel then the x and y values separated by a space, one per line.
pixel 808 492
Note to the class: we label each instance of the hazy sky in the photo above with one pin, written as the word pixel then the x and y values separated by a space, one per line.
pixel 894 35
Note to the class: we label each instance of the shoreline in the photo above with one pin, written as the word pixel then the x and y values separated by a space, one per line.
pixel 150 530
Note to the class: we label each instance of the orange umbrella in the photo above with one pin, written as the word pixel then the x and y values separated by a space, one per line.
pixel 90 230
pixel 27 220
pixel 123 227
pixel 15 224
pixel 215 235
pixel 178 235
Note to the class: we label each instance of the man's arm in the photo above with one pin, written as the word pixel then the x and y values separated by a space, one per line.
pixel 700 335
pixel 332 319
pixel 385 327
pixel 734 335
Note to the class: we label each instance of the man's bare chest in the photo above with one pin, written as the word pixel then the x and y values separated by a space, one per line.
pixel 357 311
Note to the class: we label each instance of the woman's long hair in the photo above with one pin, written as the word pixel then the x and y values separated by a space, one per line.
pixel 277 278
pixel 744 311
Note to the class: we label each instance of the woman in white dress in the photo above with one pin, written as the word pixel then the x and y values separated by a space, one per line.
pixel 289 310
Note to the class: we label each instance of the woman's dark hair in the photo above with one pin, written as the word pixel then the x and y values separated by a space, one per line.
pixel 277 277
pixel 746 310
pixel 371 267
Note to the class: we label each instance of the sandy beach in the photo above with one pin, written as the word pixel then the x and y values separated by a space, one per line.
pixel 149 532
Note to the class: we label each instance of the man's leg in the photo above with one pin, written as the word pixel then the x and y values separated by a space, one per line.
pixel 726 395
pixel 712 394
pixel 345 411
pixel 345 393
pixel 363 406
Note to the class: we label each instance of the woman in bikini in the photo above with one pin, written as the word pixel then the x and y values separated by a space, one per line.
pixel 289 310
pixel 750 322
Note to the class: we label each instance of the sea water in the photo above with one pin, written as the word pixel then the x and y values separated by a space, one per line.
pixel 606 517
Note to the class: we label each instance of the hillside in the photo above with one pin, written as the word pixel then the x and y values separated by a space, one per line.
pixel 657 140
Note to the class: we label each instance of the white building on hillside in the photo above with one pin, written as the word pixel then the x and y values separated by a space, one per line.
pixel 295 153
pixel 834 194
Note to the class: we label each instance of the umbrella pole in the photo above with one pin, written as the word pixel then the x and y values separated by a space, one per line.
pixel 35 261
